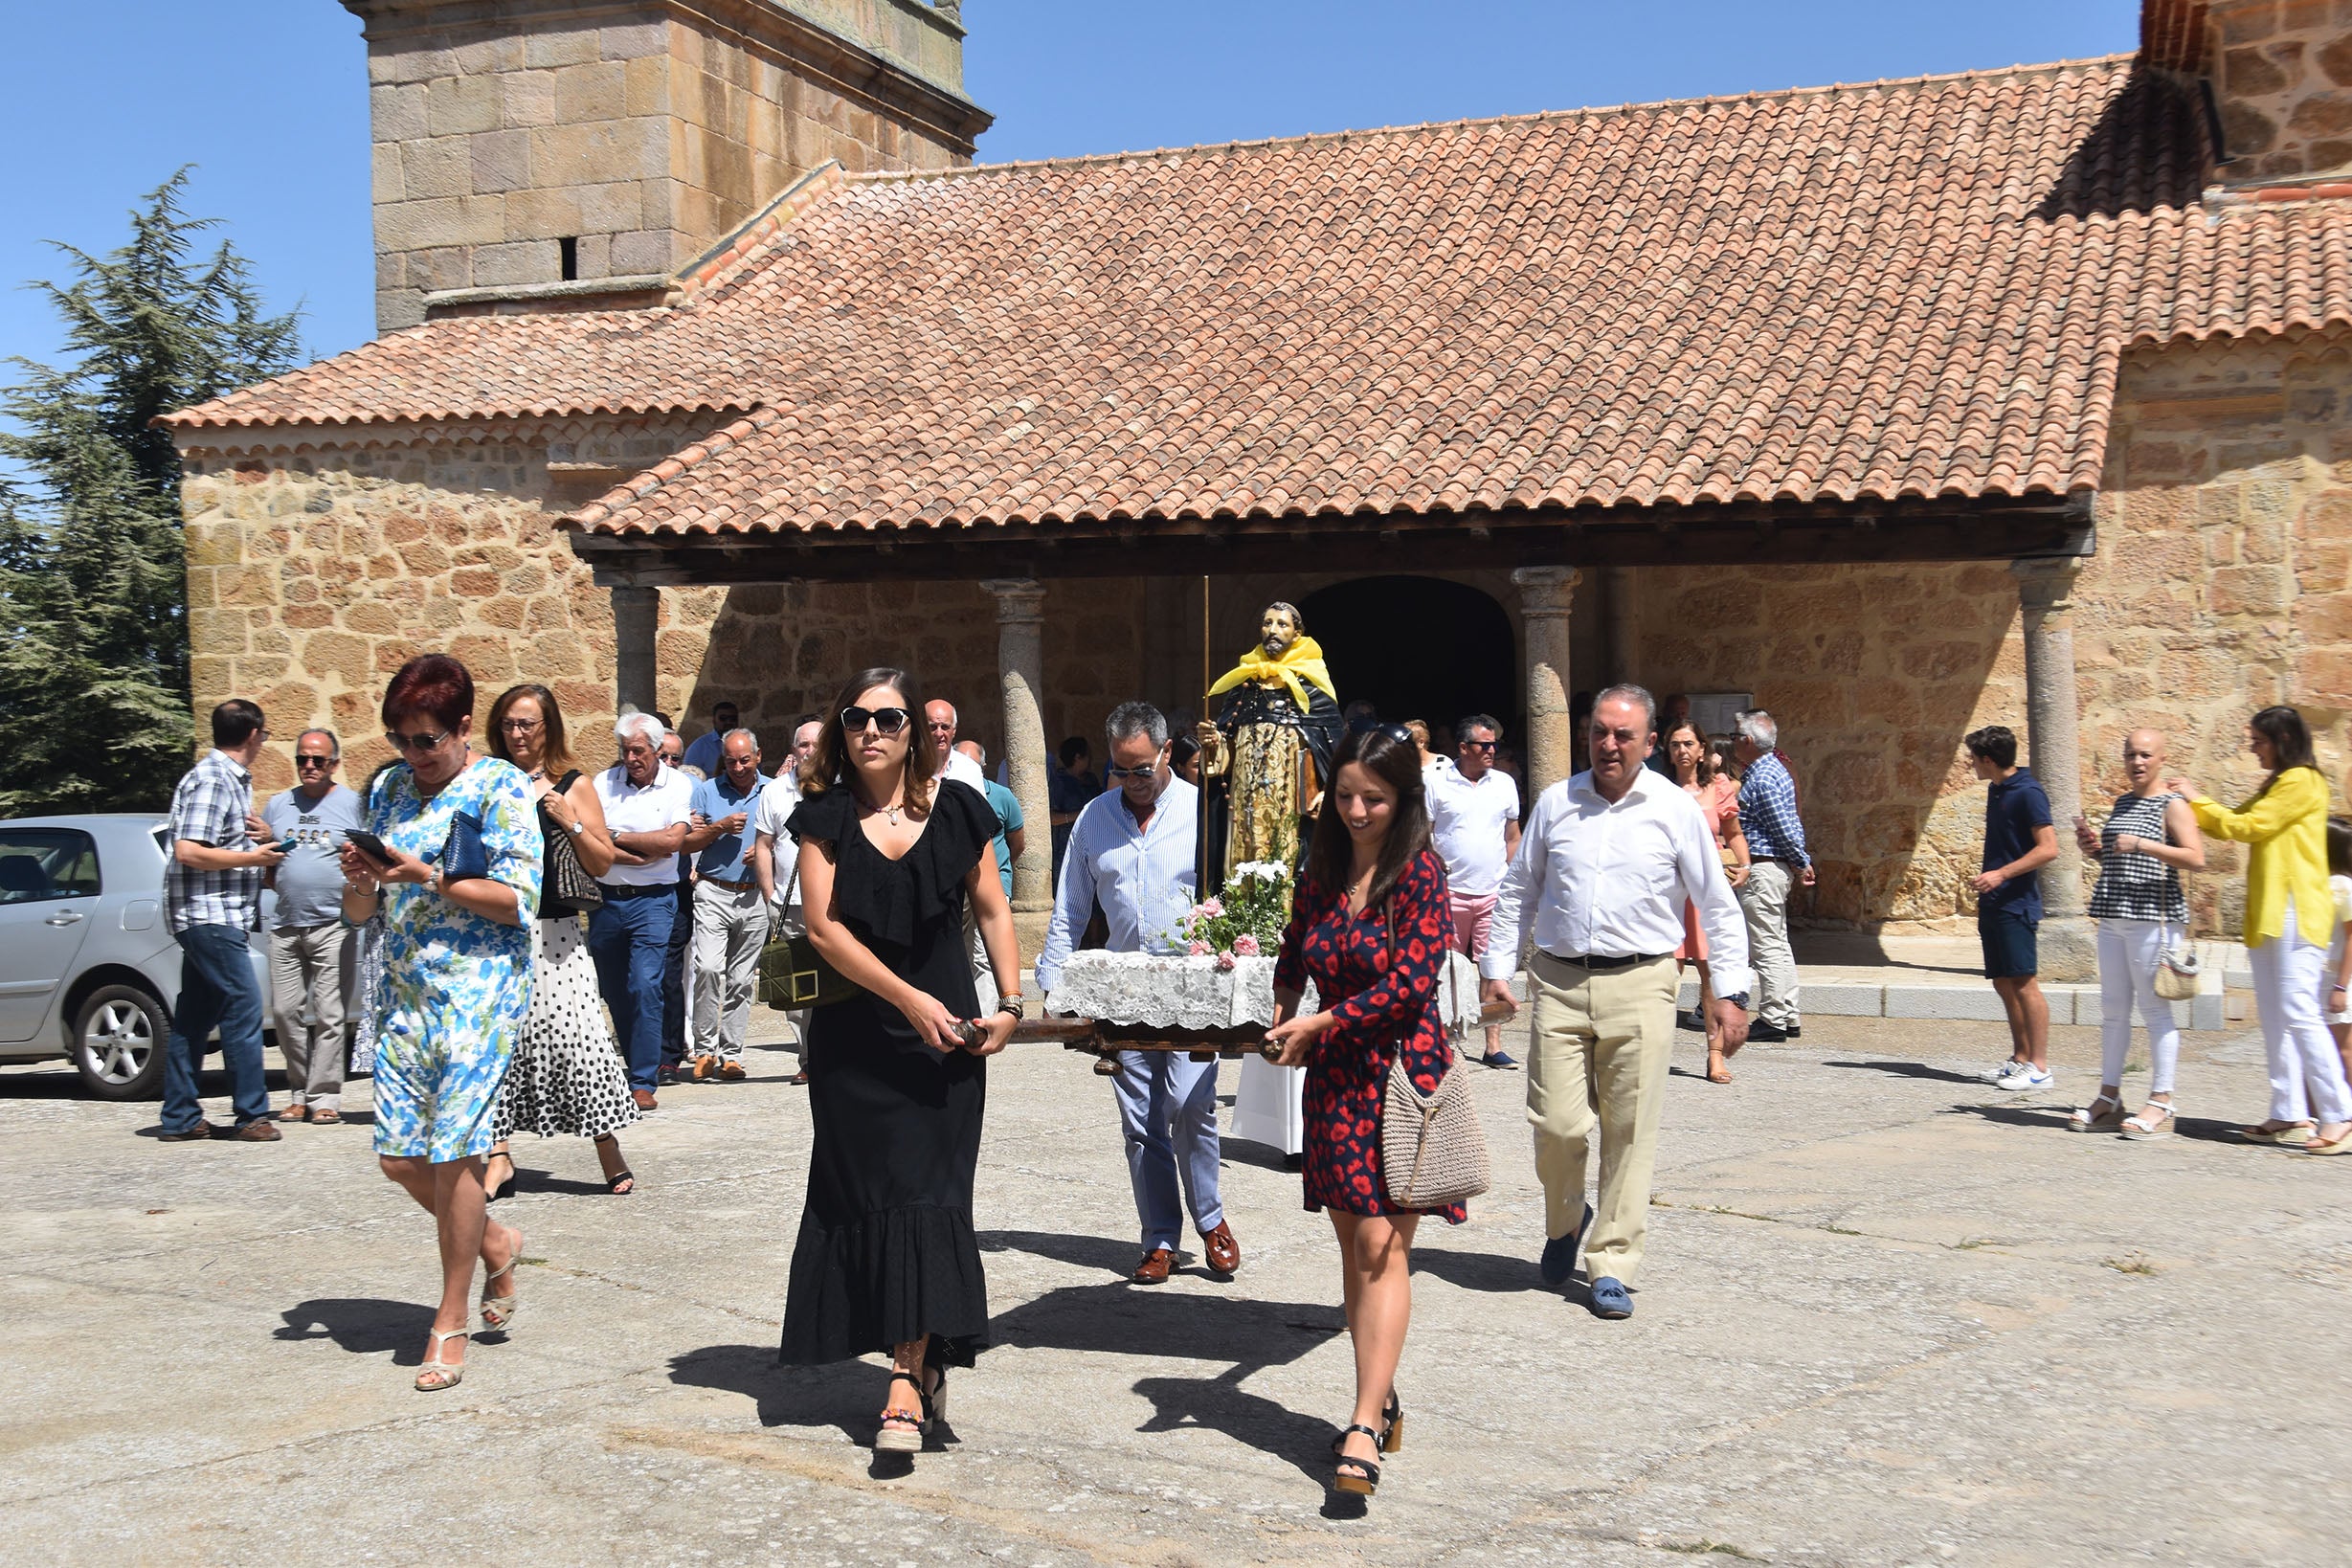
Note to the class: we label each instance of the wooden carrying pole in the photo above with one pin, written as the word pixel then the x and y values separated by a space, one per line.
pixel 1202 860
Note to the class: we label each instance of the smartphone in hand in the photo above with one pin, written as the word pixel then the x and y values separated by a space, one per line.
pixel 369 845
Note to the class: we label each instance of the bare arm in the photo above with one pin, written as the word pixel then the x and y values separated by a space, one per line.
pixel 2044 851
pixel 994 913
pixel 2185 852
pixel 1016 841
pixel 653 844
pixel 1511 837
pixel 204 856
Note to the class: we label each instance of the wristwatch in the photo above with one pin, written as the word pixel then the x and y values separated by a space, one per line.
pixel 578 828
pixel 1737 999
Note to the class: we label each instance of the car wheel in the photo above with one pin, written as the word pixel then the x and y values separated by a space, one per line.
pixel 119 1036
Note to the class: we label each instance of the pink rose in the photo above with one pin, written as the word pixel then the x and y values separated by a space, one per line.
pixel 1224 960
pixel 1245 945
pixel 1198 949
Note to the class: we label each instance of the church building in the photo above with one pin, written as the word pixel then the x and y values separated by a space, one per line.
pixel 712 366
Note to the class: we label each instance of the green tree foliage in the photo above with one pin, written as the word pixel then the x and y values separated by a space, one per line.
pixel 93 581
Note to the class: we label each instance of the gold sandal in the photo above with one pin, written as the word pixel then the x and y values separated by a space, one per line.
pixel 497 1312
pixel 449 1373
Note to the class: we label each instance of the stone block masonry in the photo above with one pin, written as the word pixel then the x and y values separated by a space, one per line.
pixel 313 575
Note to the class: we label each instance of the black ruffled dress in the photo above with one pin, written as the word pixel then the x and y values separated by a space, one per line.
pixel 886 1252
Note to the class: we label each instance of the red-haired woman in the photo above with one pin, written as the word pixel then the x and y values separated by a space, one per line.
pixel 1371 925
pixel 457 890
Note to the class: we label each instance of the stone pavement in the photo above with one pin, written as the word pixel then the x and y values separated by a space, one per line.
pixel 1892 1316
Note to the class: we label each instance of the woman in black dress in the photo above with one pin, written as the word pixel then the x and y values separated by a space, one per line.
pixel 1371 925
pixel 887 1259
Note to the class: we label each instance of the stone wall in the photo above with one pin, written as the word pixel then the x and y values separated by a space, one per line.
pixel 2282 76
pixel 642 135
pixel 313 573
pixel 2222 583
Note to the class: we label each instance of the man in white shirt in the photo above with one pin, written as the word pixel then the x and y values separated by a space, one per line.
pixel 940 722
pixel 1132 853
pixel 648 808
pixel 776 863
pixel 1600 876
pixel 1474 821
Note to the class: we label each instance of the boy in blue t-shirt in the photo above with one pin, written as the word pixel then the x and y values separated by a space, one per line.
pixel 2019 840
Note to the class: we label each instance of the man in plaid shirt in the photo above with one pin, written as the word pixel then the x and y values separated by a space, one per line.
pixel 1778 861
pixel 212 899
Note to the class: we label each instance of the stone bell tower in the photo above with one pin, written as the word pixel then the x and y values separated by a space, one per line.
pixel 554 154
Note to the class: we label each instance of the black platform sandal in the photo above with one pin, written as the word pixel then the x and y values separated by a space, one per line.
pixel 1391 1429
pixel 935 1398
pixel 1357 1477
pixel 901 1431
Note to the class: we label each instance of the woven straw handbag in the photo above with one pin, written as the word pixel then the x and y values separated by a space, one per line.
pixel 2177 970
pixel 1432 1149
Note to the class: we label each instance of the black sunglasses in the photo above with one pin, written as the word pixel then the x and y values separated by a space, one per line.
pixel 305 760
pixel 1479 745
pixel 888 720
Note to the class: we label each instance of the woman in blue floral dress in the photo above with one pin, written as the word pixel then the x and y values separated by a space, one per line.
pixel 1371 928
pixel 456 977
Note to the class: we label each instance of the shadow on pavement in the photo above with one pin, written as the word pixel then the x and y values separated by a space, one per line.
pixel 1914 1069
pixel 2044 1117
pixel 1498 1272
pixel 363 1326
pixel 1093 1252
pixel 61 1084
pixel 847 1395
pixel 1248 1336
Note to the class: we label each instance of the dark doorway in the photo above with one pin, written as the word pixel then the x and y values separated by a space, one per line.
pixel 1418 648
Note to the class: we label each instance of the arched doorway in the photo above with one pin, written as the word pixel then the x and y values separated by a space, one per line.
pixel 1418 648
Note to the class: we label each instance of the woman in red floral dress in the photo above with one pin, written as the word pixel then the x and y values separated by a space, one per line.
pixel 1371 928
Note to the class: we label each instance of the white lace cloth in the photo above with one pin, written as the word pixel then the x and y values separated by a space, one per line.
pixel 1186 993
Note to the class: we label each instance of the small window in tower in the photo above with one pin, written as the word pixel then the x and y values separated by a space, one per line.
pixel 568 257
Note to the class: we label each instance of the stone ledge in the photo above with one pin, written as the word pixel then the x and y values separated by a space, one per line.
pixel 577 293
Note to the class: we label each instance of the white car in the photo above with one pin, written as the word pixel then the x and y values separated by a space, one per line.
pixel 88 970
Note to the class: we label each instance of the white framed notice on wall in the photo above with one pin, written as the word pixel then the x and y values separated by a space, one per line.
pixel 1715 711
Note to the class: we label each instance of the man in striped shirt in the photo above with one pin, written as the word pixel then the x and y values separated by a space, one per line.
pixel 1775 847
pixel 212 900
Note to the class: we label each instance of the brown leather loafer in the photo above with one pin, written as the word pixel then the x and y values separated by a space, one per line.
pixel 706 1069
pixel 1153 1269
pixel 644 1099
pixel 1224 1253
pixel 261 1132
pixel 194 1134
pixel 732 1072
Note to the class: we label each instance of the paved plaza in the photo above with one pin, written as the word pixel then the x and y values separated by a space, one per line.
pixel 1892 1315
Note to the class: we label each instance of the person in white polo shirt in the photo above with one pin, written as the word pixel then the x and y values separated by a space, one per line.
pixel 1474 820
pixel 648 807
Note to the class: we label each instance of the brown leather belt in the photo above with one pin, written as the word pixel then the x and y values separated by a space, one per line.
pixel 1604 966
pixel 743 887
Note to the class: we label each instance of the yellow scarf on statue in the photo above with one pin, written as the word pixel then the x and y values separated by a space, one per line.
pixel 1300 667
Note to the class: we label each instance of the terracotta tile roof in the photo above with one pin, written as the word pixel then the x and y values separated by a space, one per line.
pixel 1904 288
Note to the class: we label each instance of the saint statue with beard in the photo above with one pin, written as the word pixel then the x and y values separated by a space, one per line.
pixel 1272 744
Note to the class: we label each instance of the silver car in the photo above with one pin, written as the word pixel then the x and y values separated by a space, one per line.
pixel 87 969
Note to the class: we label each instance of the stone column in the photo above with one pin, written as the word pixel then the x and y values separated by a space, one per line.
pixel 637 618
pixel 1020 672
pixel 1545 594
pixel 2069 949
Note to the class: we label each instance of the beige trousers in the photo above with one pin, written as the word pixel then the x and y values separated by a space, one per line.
pixel 1598 1057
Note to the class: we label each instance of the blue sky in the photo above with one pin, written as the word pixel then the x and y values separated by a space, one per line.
pixel 101 99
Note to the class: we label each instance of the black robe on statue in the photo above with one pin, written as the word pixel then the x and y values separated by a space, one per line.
pixel 886 1252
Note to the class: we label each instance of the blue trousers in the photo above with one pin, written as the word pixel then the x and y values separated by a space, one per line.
pixel 218 991
pixel 1168 1106
pixel 674 978
pixel 628 940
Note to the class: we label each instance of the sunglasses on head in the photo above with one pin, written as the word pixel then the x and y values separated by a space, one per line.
pixel 422 741
pixel 1374 726
pixel 889 721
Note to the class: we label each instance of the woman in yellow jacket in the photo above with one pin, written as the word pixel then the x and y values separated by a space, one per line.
pixel 2288 922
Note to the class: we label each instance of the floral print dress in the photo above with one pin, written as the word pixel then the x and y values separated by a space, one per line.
pixel 456 986
pixel 1383 1000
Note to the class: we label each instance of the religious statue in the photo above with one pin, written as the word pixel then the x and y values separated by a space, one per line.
pixel 1273 741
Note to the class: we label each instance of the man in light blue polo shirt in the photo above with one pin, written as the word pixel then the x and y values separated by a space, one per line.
pixel 731 918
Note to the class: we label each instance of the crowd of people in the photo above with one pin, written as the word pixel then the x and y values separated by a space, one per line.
pixel 498 904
